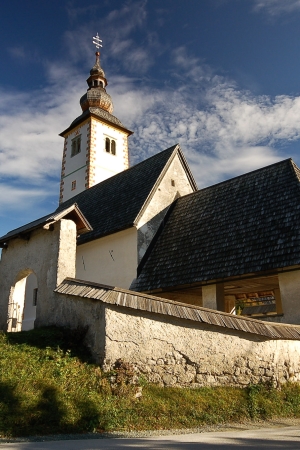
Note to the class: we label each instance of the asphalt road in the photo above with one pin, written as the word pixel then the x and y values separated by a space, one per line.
pixel 287 438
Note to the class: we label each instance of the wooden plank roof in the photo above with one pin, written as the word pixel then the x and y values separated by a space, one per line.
pixel 144 302
pixel 248 224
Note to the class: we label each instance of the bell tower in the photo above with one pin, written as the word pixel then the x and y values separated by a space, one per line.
pixel 96 142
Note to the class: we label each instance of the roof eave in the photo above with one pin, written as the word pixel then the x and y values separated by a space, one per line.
pixel 177 151
pixel 73 213
pixel 101 119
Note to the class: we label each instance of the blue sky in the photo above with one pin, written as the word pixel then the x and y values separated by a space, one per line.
pixel 221 77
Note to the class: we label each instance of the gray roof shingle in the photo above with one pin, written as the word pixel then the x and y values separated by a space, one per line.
pixel 244 225
pixel 71 211
pixel 113 204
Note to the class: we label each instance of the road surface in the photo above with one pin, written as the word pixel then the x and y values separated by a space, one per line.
pixel 285 438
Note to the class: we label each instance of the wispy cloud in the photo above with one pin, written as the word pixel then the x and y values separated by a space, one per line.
pixel 277 7
pixel 219 126
pixel 223 130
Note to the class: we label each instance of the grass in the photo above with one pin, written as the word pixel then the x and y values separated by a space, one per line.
pixel 48 385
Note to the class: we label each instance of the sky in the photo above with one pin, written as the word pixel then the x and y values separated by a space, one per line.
pixel 219 77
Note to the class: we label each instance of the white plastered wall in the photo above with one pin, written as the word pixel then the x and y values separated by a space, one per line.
pixel 289 285
pixel 50 255
pixel 106 164
pixel 175 182
pixel 111 260
pixel 75 166
pixel 29 313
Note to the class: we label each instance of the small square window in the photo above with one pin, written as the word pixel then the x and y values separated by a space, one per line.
pixel 172 182
pixel 73 185
pixel 76 146
pixel 34 297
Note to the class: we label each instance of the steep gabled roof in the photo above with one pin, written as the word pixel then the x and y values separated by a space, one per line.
pixel 114 204
pixel 244 225
pixel 69 212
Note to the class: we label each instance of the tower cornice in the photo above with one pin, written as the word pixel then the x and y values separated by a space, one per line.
pixel 86 116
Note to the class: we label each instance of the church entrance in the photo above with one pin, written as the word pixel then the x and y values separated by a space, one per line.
pixel 23 300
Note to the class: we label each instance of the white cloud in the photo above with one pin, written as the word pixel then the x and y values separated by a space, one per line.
pixel 218 126
pixel 223 130
pixel 277 7
pixel 16 197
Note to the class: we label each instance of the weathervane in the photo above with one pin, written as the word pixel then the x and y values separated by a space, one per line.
pixel 97 41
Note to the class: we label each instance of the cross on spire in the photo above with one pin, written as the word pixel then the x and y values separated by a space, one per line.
pixel 97 41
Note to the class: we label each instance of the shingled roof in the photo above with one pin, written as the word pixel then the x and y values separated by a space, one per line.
pixel 160 306
pixel 68 212
pixel 248 224
pixel 114 204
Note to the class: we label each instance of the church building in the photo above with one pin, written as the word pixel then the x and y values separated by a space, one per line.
pixel 233 247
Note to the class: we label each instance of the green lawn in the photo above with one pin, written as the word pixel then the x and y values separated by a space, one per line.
pixel 48 385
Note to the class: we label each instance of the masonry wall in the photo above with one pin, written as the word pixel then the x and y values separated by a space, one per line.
pixel 174 352
pixel 50 255
pixel 76 312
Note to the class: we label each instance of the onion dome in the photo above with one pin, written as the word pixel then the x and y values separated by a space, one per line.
pixel 96 96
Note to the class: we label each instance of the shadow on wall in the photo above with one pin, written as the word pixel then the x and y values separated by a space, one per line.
pixel 23 301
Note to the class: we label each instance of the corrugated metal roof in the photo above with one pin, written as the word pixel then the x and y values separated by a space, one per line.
pixel 157 305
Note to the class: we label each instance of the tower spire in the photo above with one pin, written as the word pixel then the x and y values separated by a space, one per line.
pixel 96 142
pixel 96 96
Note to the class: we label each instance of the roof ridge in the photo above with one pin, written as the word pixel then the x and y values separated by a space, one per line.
pixel 243 175
pixel 296 170
pixel 109 179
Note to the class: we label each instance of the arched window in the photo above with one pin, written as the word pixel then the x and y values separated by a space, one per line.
pixel 110 146
pixel 107 145
pixel 76 146
pixel 113 147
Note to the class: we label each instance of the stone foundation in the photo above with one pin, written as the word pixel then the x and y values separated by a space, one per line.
pixel 180 353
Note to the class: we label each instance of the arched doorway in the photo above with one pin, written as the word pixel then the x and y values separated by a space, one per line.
pixel 23 300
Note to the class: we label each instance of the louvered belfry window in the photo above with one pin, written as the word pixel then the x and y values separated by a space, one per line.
pixel 76 146
pixel 110 146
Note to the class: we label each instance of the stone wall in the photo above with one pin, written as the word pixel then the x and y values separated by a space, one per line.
pixel 177 352
pixel 50 255
pixel 76 312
